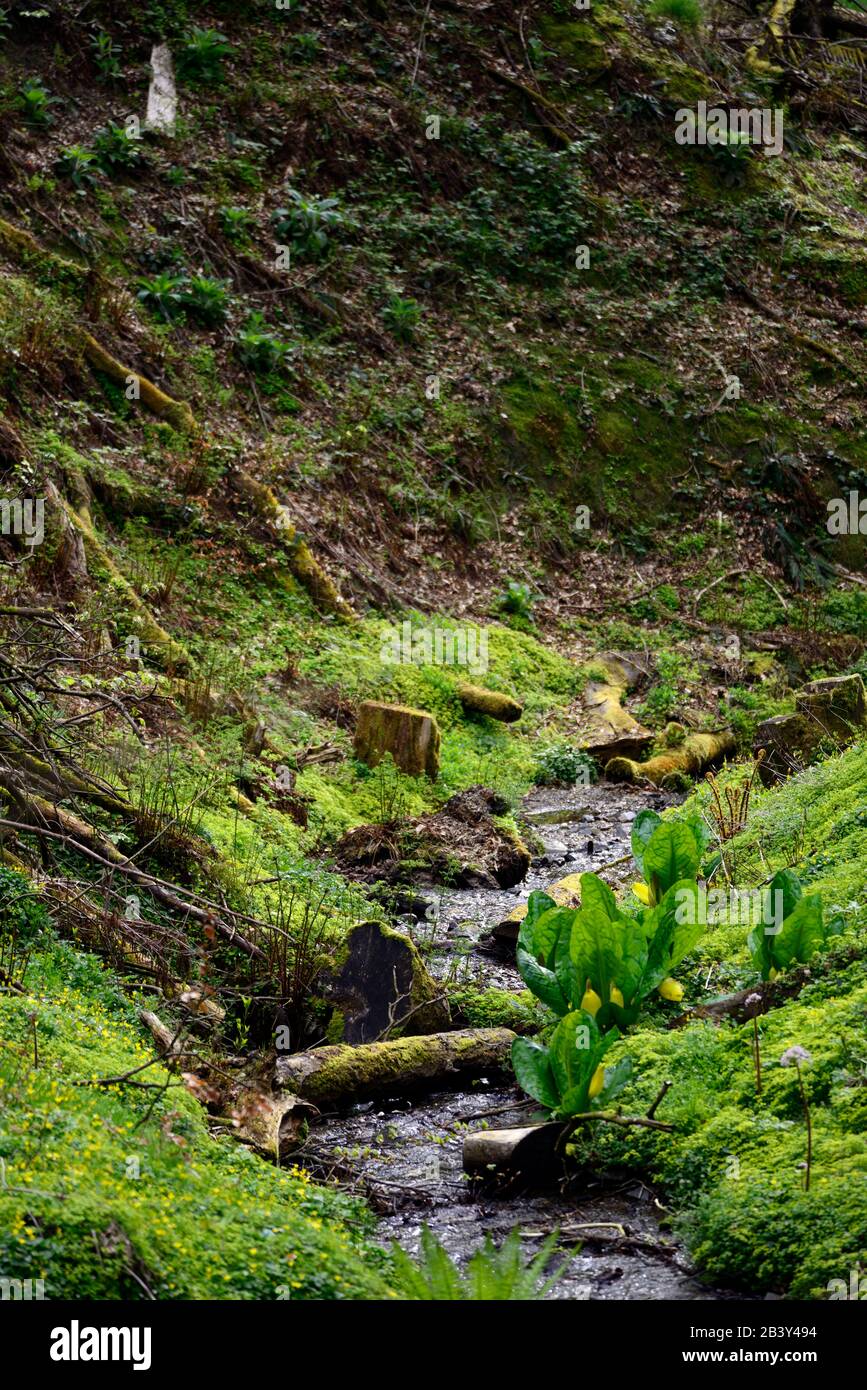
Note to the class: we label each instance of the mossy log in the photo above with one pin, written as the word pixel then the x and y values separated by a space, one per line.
pixel 411 736
pixel 275 1126
pixel 490 702
pixel 23 248
pixel 176 413
pixel 43 818
pixel 154 638
pixel 695 754
pixel 566 892
pixel 336 1075
pixel 301 560
pixel 776 30
pixel 60 782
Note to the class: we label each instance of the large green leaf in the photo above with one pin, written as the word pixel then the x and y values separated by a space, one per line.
pixel 542 981
pixel 533 1072
pixel 595 947
pixel 573 1047
pixel 645 823
pixel 672 854
pixel 553 924
pixel 677 924
pixel 568 978
pixel 802 933
pixel 759 946
pixel 616 1078
pixel 597 896
pixel 537 905
pixel 781 897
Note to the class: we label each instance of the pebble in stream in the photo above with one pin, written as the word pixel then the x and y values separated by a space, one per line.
pixel 408 1153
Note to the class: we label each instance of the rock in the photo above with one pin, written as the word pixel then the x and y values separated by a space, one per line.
pixel 381 981
pixel 566 892
pixel 838 705
pixel 531 1150
pixel 830 712
pixel 788 741
pixel 489 702
pixel 609 729
pixel 411 736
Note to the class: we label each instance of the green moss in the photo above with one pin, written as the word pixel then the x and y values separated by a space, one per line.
pixel 496 1008
pixel 100 1192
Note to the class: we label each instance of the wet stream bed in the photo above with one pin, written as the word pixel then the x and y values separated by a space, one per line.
pixel 405 1153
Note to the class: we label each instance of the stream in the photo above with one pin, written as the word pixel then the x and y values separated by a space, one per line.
pixel 405 1154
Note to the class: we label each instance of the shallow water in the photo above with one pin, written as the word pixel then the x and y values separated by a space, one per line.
pixel 405 1154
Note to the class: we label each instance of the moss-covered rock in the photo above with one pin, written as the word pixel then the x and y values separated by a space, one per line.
pixel 828 713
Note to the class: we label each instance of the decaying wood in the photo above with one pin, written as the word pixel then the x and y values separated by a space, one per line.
pixel 696 753
pixel 335 1075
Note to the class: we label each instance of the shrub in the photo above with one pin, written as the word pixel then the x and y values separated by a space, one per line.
pixel 163 294
pixel 259 347
pixel 491 1274
pixel 687 13
pixel 117 151
pixel 34 101
pixel 78 165
pixel 200 58
pixel 106 56
pixel 516 598
pixel 205 300
pixel 307 222
pixel 563 763
pixel 402 316
pixel 235 223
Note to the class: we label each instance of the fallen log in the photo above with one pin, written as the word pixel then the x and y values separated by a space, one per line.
pixel 275 1126
pixel 301 561
pixel 333 1075
pixel 490 702
pixel 696 753
pixel 154 638
pixel 531 1149
pixel 176 413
